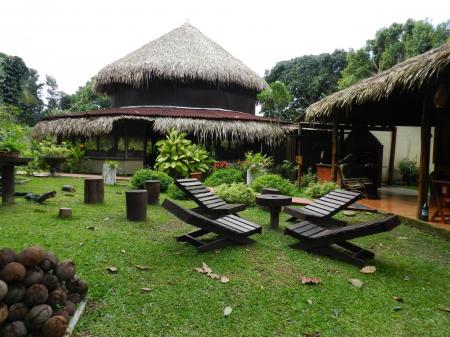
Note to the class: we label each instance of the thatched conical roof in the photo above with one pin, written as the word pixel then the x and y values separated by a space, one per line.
pixel 412 75
pixel 183 55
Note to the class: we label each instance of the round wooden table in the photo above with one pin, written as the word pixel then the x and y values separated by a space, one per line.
pixel 7 174
pixel 274 202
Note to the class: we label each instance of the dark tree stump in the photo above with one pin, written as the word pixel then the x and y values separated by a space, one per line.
pixel 267 190
pixel 65 213
pixel 93 191
pixel 153 188
pixel 136 201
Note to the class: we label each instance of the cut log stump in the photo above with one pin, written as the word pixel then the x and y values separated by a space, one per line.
pixel 153 188
pixel 65 213
pixel 136 202
pixel 93 191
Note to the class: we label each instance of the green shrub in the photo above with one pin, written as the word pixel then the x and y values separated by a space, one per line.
pixel 318 190
pixel 236 193
pixel 175 193
pixel 286 169
pixel 224 176
pixel 273 181
pixel 409 171
pixel 308 179
pixel 140 176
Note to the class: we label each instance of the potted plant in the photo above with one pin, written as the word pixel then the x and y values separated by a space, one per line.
pixel 11 144
pixel 198 161
pixel 54 154
pixel 255 164
pixel 110 172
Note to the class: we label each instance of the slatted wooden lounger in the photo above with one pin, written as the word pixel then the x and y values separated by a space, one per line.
pixel 231 229
pixel 208 202
pixel 322 240
pixel 324 207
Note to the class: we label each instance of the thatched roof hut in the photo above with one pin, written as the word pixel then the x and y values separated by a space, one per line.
pixel 391 97
pixel 183 55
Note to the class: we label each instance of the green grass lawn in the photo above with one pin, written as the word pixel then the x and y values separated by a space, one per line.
pixel 264 289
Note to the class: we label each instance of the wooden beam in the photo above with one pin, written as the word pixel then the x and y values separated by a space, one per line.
pixel 392 155
pixel 424 163
pixel 334 147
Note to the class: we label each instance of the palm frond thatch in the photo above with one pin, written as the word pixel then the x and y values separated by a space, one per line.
pixel 408 76
pixel 184 54
pixel 239 131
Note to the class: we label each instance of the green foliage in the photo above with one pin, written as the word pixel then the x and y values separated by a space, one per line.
pixel 140 176
pixel 317 190
pixel 49 149
pixel 310 77
pixel 175 193
pixel 273 181
pixel 308 179
pixel 236 193
pixel 11 138
pixel 286 169
pixel 176 153
pixel 113 164
pixel 84 99
pixel 275 100
pixel 392 45
pixel 256 162
pixel 409 170
pixel 226 176
pixel 75 158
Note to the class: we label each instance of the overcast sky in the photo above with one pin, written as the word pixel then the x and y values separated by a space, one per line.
pixel 73 39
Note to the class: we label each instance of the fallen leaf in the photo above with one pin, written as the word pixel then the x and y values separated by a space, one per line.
pixel 105 219
pixel 349 213
pixel 402 238
pixel 200 270
pixel 310 280
pixel 335 313
pixel 214 276
pixel 311 334
pixel 355 282
pixel 368 269
pixel 247 249
pixel 91 227
pixel 398 299
pixel 206 269
pixel 81 243
pixel 123 251
pixel 224 279
pixel 446 309
pixel 310 302
pixel 227 311
pixel 397 308
pixel 142 267
pixel 112 270
pixel 146 290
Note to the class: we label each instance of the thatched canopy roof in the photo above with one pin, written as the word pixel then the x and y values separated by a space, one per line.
pixel 383 97
pixel 183 55
pixel 203 123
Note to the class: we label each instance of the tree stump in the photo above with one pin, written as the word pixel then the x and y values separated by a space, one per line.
pixel 267 190
pixel 136 201
pixel 65 213
pixel 153 188
pixel 93 191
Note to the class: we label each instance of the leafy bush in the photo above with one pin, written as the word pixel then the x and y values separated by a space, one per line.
pixel 409 171
pixel 256 162
pixel 224 176
pixel 236 193
pixel 273 181
pixel 175 193
pixel 308 179
pixel 112 164
pixel 49 149
pixel 140 176
pixel 318 190
pixel 286 169
pixel 75 159
pixel 11 138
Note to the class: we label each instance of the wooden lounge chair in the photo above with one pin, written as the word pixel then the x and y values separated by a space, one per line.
pixel 324 207
pixel 209 203
pixel 231 229
pixel 323 240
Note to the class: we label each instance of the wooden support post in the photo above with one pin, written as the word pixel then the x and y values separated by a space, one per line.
pixel 153 188
pixel 8 184
pixel 424 163
pixel 136 203
pixel 392 155
pixel 299 168
pixel 126 143
pixel 334 147
pixel 144 164
pixel 65 213
pixel 93 190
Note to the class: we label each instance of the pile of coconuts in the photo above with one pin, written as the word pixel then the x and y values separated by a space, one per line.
pixel 38 294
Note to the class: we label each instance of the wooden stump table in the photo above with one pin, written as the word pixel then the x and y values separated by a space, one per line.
pixel 267 190
pixel 153 188
pixel 274 202
pixel 94 191
pixel 7 173
pixel 136 202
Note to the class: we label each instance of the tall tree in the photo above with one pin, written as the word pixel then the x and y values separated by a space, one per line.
pixel 84 99
pixel 275 100
pixel 310 77
pixel 393 45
